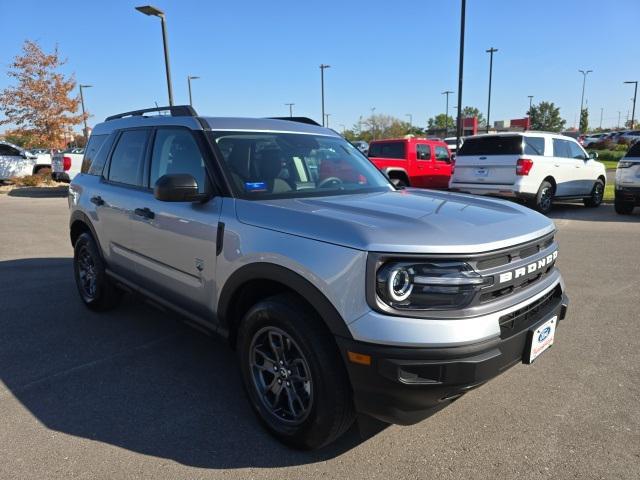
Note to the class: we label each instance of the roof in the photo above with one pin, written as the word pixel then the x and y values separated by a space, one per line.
pixel 212 123
pixel 409 139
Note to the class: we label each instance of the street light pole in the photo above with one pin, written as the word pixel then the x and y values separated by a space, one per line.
pixel 635 93
pixel 322 68
pixel 189 78
pixel 373 122
pixel 446 114
pixel 584 81
pixel 326 115
pixel 601 112
pixel 618 127
pixel 491 51
pixel 84 115
pixel 410 119
pixel 529 112
pixel 290 105
pixel 155 12
pixel 460 74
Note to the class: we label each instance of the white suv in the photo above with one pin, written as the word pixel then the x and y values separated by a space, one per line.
pixel 537 167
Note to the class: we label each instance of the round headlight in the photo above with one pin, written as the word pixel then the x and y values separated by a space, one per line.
pixel 399 285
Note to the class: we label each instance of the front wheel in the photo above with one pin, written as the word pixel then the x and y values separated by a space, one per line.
pixel 293 374
pixel 623 208
pixel 544 198
pixel 597 193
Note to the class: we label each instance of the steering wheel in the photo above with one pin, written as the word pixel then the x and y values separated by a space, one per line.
pixel 328 180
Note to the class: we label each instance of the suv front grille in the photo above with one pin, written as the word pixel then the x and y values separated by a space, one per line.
pixel 528 315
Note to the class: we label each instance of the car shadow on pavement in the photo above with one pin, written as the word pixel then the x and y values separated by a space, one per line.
pixel 137 377
pixel 40 192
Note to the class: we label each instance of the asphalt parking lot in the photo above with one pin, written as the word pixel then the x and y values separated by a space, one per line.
pixel 135 393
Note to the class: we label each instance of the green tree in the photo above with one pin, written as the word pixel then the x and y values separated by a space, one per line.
pixel 584 120
pixel 546 116
pixel 441 122
pixel 473 112
pixel 379 127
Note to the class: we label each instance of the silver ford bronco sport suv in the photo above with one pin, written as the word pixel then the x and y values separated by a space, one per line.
pixel 341 294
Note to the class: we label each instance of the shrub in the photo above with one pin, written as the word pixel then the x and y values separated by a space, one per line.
pixel 621 147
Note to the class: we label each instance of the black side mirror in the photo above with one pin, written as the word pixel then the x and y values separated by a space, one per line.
pixel 178 187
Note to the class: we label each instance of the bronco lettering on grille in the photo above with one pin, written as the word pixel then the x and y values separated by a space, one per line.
pixel 530 268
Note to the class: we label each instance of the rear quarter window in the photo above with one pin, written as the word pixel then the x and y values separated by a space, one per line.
pixel 492 145
pixel 387 150
pixel 534 145
pixel 95 142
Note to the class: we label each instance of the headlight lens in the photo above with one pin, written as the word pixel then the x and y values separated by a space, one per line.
pixel 624 164
pixel 428 285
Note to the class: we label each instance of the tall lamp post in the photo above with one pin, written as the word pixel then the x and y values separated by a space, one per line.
pixel 410 119
pixel 491 51
pixel 322 69
pixel 584 81
pixel 155 12
pixel 189 78
pixel 373 122
pixel 326 116
pixel 290 105
pixel 635 93
pixel 530 97
pixel 446 112
pixel 463 10
pixel 85 132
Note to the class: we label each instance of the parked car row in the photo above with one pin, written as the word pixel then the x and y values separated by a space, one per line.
pixel 622 136
pixel 535 167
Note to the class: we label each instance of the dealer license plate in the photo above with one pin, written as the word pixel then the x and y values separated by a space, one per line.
pixel 541 339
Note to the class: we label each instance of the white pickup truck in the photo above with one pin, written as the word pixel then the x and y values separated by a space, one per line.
pixel 67 164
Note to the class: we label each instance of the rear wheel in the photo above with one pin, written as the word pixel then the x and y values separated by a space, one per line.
pixel 623 208
pixel 96 289
pixel 597 193
pixel 544 198
pixel 293 373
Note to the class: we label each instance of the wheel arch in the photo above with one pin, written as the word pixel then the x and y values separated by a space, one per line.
pixel 252 283
pixel 397 172
pixel 552 181
pixel 80 223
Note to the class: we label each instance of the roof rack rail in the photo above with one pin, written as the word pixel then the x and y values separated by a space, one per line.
pixel 306 120
pixel 176 111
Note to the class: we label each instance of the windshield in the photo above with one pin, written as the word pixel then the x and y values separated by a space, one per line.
pixel 287 165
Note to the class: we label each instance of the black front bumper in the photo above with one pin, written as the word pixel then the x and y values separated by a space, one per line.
pixel 628 194
pixel 405 385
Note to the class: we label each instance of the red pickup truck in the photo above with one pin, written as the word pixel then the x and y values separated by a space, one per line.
pixel 414 162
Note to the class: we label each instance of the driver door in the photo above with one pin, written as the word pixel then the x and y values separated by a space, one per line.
pixel 175 242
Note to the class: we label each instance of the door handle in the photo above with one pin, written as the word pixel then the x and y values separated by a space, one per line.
pixel 97 200
pixel 144 212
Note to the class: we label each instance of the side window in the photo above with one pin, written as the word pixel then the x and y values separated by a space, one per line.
pixel 128 157
pixel 95 142
pixel 442 154
pixel 534 146
pixel 576 151
pixel 100 157
pixel 423 152
pixel 176 151
pixel 9 151
pixel 561 148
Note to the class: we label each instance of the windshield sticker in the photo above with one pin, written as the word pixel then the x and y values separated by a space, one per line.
pixel 255 186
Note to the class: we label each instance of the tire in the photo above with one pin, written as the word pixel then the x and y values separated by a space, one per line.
pixel 302 414
pixel 543 201
pixel 96 289
pixel 623 208
pixel 597 192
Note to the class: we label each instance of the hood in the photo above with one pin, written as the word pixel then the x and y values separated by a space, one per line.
pixel 404 221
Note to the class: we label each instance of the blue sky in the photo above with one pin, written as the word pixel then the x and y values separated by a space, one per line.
pixel 255 56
